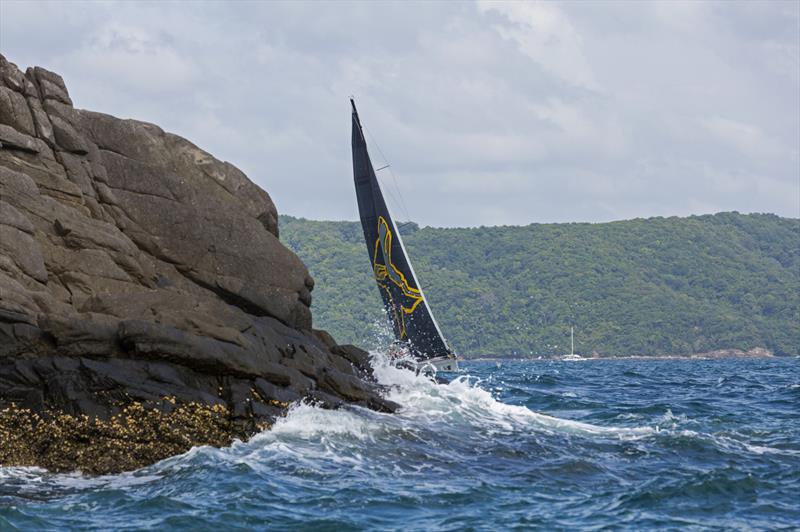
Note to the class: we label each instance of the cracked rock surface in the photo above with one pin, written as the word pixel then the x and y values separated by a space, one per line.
pixel 136 267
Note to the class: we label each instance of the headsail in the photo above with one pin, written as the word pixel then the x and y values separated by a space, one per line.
pixel 414 324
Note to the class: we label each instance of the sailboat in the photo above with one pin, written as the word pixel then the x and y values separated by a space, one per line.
pixel 572 355
pixel 415 329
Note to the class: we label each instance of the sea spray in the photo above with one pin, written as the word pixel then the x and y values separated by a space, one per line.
pixel 464 400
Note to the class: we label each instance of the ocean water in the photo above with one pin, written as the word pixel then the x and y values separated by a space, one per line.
pixel 624 444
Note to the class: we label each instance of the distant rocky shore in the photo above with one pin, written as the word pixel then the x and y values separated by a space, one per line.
pixel 757 352
pixel 146 303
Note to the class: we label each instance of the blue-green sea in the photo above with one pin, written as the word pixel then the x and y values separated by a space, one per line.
pixel 551 445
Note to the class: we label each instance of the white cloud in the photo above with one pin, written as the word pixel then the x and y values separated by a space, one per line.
pixel 489 113
pixel 547 36
pixel 745 138
pixel 682 15
pixel 147 67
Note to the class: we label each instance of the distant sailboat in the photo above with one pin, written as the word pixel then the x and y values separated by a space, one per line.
pixel 572 355
pixel 415 328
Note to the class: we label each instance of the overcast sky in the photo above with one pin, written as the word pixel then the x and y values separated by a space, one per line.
pixel 490 113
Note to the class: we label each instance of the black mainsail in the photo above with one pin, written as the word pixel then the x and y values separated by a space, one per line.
pixel 414 325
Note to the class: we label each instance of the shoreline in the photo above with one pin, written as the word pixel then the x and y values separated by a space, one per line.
pixel 757 352
pixel 613 358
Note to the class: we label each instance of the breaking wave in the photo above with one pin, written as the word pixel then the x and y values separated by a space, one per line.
pixel 464 401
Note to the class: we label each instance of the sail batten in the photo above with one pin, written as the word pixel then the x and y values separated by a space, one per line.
pixel 404 301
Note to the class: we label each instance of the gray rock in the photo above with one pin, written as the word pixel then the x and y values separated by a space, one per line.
pixel 14 111
pixel 66 136
pixel 51 85
pixel 10 75
pixel 44 129
pixel 135 266
pixel 24 250
pixel 355 355
pixel 11 139
pixel 10 216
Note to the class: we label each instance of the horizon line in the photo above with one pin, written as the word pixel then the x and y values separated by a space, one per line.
pixel 755 213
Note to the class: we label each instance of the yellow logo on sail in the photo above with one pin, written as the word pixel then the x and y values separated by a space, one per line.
pixel 386 272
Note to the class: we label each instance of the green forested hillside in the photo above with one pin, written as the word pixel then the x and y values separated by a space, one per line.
pixel 644 286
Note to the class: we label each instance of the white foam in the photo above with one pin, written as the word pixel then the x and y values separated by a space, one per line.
pixel 30 478
pixel 26 474
pixel 306 421
pixel 728 442
pixel 761 449
pixel 465 401
pixel 732 442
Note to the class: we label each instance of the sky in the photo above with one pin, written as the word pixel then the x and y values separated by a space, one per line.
pixel 489 113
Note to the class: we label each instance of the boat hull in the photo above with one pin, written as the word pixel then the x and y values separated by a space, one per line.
pixel 439 364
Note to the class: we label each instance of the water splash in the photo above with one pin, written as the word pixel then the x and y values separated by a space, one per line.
pixel 464 401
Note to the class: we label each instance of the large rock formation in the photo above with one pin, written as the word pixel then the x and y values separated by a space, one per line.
pixel 144 294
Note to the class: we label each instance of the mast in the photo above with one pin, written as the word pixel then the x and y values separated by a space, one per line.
pixel 572 340
pixel 404 301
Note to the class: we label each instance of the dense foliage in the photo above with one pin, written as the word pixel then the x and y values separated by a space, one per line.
pixel 643 286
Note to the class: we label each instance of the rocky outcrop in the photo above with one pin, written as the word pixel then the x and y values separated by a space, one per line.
pixel 136 269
